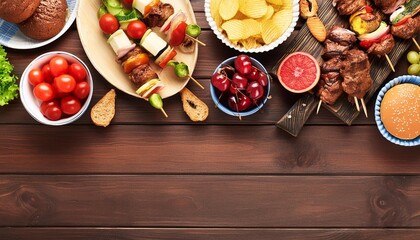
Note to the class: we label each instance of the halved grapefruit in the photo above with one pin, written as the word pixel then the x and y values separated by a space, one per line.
pixel 299 72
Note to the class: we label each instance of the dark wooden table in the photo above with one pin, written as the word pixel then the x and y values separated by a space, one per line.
pixel 147 177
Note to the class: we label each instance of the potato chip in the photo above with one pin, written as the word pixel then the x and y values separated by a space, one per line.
pixel 249 43
pixel 270 31
pixel 240 16
pixel 283 18
pixel 228 8
pixel 214 8
pixel 234 29
pixel 269 14
pixel 253 8
pixel 252 28
pixel 287 4
pixel 276 2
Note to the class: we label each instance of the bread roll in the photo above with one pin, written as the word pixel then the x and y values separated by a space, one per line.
pixel 47 21
pixel 400 111
pixel 17 11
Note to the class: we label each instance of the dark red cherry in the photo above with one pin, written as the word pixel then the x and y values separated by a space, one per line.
pixel 239 81
pixel 243 64
pixel 262 79
pixel 233 90
pixel 244 102
pixel 254 74
pixel 233 103
pixel 220 82
pixel 254 90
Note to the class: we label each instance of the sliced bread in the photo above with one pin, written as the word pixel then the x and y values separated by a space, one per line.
pixel 104 110
pixel 196 109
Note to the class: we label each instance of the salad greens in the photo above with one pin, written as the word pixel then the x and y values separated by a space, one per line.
pixel 8 86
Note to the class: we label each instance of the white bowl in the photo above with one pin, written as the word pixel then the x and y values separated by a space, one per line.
pixel 399 80
pixel 32 104
pixel 264 48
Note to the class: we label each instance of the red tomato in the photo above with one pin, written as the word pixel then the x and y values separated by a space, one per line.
pixel 35 77
pixel 178 35
pixel 45 105
pixel 136 29
pixel 46 70
pixel 128 3
pixel 65 83
pixel 108 23
pixel 44 91
pixel 77 71
pixel 53 113
pixel 70 105
pixel 82 89
pixel 59 66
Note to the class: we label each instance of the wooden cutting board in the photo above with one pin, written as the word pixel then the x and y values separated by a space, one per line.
pixel 295 118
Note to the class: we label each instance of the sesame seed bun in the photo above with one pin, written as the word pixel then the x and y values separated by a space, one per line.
pixel 17 11
pixel 47 21
pixel 400 111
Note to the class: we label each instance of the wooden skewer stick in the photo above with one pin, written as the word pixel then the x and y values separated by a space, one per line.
pixel 319 106
pixel 164 113
pixel 416 43
pixel 389 62
pixel 196 40
pixel 196 82
pixel 364 107
pixel 357 103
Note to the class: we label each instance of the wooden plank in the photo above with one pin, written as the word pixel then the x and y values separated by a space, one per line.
pixel 209 201
pixel 206 233
pixel 201 149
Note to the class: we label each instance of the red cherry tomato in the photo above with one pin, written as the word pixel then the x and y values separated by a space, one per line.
pixel 53 113
pixel 136 29
pixel 35 77
pixel 46 70
pixel 70 105
pixel 65 83
pixel 108 23
pixel 59 66
pixel 45 105
pixel 77 71
pixel 178 35
pixel 82 89
pixel 44 91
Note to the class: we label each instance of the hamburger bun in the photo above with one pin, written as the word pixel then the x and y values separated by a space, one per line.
pixel 17 11
pixel 47 21
pixel 400 111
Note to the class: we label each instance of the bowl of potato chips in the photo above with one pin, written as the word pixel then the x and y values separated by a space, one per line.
pixel 252 26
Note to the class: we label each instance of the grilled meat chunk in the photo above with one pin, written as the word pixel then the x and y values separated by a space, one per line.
pixel 408 29
pixel 330 89
pixel 134 52
pixel 332 65
pixel 333 49
pixel 158 15
pixel 356 74
pixel 385 46
pixel 346 7
pixel 141 74
pixel 341 36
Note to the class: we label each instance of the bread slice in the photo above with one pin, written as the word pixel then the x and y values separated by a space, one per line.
pixel 104 110
pixel 196 109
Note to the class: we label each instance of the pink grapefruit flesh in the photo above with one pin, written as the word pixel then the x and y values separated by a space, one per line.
pixel 299 72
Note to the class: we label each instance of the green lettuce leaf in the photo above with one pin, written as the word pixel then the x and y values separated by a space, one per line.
pixel 8 86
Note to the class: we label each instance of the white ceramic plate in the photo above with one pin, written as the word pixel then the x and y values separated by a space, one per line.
pixel 103 57
pixel 265 48
pixel 12 37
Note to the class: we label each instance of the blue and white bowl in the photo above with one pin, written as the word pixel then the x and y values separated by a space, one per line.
pixel 215 93
pixel 399 80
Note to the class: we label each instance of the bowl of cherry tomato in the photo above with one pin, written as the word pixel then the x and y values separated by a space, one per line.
pixel 240 86
pixel 56 88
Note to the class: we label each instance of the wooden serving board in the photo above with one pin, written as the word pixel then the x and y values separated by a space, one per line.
pixel 295 118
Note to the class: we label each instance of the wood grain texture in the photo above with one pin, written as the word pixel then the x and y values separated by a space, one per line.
pixel 205 233
pixel 201 149
pixel 209 201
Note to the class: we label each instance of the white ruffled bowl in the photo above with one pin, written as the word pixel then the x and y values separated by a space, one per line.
pixel 264 48
pixel 399 80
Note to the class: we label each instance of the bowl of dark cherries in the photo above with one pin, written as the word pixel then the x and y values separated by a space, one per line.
pixel 240 86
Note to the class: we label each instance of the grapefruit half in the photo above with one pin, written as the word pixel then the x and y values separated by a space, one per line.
pixel 299 72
